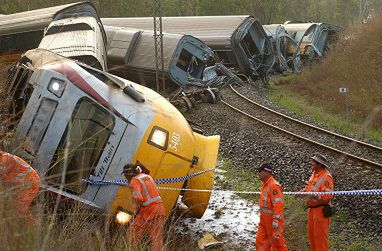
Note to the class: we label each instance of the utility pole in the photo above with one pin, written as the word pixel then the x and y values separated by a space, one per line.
pixel 158 41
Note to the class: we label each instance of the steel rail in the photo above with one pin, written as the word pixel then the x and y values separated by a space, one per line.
pixel 306 124
pixel 378 165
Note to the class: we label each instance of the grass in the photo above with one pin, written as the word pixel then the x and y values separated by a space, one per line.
pixel 73 227
pixel 302 105
pixel 239 179
pixel 339 242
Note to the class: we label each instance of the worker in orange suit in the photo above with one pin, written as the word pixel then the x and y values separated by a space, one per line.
pixel 318 224
pixel 150 213
pixel 271 226
pixel 17 173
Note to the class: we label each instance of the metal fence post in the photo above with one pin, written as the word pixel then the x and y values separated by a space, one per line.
pixel 345 90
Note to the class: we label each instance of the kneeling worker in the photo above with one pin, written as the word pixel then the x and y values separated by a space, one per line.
pixel 17 173
pixel 271 226
pixel 151 216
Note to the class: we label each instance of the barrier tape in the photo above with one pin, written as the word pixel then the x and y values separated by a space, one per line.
pixel 184 178
pixel 350 192
pixel 157 181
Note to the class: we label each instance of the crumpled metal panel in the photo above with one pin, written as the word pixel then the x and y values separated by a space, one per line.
pixel 286 49
pixel 313 38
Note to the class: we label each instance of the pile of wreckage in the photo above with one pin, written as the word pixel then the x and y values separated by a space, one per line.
pixel 198 51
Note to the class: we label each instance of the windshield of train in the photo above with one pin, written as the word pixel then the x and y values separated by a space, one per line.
pixel 191 64
pixel 81 146
pixel 307 39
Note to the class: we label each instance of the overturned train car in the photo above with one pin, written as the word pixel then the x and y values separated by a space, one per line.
pixel 287 54
pixel 314 39
pixel 240 41
pixel 81 123
pixel 77 33
pixel 23 31
pixel 131 54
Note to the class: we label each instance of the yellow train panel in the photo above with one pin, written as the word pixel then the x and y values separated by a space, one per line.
pixel 172 166
pixel 207 150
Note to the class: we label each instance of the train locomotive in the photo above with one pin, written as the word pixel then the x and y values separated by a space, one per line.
pixel 82 123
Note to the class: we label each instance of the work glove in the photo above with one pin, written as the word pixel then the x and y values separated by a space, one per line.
pixel 275 223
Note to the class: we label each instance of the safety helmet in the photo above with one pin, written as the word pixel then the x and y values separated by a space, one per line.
pixel 129 169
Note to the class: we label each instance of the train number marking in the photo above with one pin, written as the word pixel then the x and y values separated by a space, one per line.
pixel 175 141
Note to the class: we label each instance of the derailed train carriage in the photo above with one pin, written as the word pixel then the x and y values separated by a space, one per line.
pixel 131 54
pixel 82 123
pixel 314 38
pixel 286 50
pixel 23 31
pixel 238 40
pixel 77 33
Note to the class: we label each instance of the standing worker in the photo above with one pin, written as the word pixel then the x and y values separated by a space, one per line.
pixel 318 224
pixel 151 216
pixel 271 226
pixel 17 173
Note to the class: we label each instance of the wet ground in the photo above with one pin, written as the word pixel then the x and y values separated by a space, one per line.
pixel 231 219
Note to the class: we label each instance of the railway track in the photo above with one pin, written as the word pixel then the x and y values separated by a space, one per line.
pixel 353 149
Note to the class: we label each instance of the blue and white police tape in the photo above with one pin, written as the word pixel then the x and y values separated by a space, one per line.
pixel 184 178
pixel 98 182
pixel 351 192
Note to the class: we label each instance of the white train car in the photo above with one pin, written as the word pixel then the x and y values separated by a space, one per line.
pixel 78 37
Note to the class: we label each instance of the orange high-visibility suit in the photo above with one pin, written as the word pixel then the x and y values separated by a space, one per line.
pixel 318 224
pixel 151 215
pixel 271 226
pixel 16 172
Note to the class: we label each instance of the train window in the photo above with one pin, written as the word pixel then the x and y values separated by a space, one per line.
pixel 307 38
pixel 7 44
pixel 159 138
pixel 322 41
pixel 81 146
pixel 21 41
pixel 191 64
pixel 69 27
pixel 40 124
pixel 227 56
pixel 34 39
pixel 184 60
pixel 250 44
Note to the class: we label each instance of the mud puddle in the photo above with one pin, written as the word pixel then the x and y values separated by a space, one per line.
pixel 230 218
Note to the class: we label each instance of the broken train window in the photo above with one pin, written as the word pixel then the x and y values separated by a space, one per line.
pixel 191 64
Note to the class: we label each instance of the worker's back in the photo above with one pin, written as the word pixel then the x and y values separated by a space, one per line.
pixel 16 173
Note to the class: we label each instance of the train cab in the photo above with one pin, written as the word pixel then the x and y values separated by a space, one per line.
pixel 82 123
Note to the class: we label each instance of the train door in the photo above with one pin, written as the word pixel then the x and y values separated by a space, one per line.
pixel 86 148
